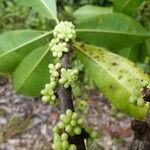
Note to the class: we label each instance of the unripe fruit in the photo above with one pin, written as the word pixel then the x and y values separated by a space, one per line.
pixel 68 128
pixel 72 147
pixel 132 99
pixel 61 125
pixel 53 98
pixel 77 130
pixel 145 83
pixel 64 137
pixel 94 134
pixel 80 121
pixel 43 92
pixel 58 145
pixel 65 144
pixel 75 116
pixel 58 66
pixel 56 129
pixel 51 66
pixel 62 117
pixel 140 102
pixel 56 137
pixel 73 123
pixel 45 99
pixel 69 112
pixel 67 120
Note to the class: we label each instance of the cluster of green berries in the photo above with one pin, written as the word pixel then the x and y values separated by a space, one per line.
pixel 64 31
pixel 136 98
pixel 61 142
pixel 68 77
pixel 58 49
pixel 54 71
pixel 49 91
pixel 70 125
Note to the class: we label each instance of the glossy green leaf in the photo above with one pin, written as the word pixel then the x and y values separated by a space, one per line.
pixel 15 45
pixel 148 46
pixel 47 8
pixel 127 6
pixel 130 52
pixel 31 75
pixel 89 11
pixel 113 31
pixel 114 75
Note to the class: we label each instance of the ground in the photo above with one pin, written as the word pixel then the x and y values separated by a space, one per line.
pixel 26 123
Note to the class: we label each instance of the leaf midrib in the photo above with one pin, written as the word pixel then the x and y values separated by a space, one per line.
pixel 102 67
pixel 110 31
pixel 125 4
pixel 26 43
pixel 49 10
pixel 33 68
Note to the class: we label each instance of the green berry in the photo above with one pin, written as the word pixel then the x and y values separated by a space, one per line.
pixel 132 99
pixel 77 130
pixel 68 128
pixel 58 145
pixel 66 85
pixel 55 74
pixel 57 137
pixel 58 66
pixel 65 144
pixel 80 121
pixel 72 147
pixel 69 112
pixel 53 84
pixel 53 98
pixel 73 123
pixel 56 129
pixel 61 125
pixel 75 116
pixel 43 92
pixel 145 83
pixel 51 66
pixel 46 98
pixel 62 117
pixel 64 137
pixel 66 120
pixel 140 102
pixel 94 134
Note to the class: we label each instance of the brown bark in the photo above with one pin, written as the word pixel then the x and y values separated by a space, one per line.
pixel 66 102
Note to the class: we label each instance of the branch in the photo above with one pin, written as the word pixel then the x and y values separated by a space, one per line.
pixel 66 102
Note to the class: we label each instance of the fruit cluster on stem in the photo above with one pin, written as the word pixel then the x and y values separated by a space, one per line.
pixel 68 133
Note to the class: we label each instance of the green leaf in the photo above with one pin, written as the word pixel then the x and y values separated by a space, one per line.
pixel 31 75
pixel 15 45
pixel 114 75
pixel 113 31
pixel 47 8
pixel 147 42
pixel 127 6
pixel 89 11
pixel 130 52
